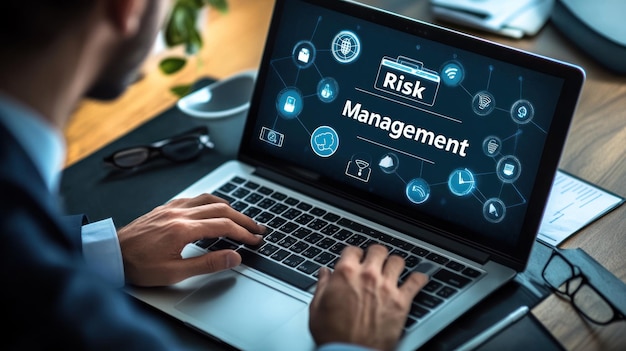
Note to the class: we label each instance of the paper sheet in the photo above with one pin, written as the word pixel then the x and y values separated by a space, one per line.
pixel 573 203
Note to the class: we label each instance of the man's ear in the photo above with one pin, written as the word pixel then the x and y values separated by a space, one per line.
pixel 127 14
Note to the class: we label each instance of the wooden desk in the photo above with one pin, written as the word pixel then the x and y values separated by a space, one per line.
pixel 595 149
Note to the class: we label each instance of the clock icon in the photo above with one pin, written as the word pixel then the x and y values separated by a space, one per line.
pixel 461 182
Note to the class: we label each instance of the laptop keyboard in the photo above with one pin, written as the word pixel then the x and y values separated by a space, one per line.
pixel 301 238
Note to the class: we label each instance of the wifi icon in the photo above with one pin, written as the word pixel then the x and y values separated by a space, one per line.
pixel 452 73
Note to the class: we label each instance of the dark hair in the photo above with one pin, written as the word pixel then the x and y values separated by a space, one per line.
pixel 31 24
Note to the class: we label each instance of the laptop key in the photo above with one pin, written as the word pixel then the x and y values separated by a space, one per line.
pixel 446 292
pixel 224 245
pixel 427 300
pixel 418 311
pixel 437 258
pixel 420 251
pixel 238 180
pixel 268 249
pixel 304 206
pixel 318 212
pixel 239 206
pixel 276 270
pixel 265 190
pixel 240 193
pixel 228 198
pixel 206 242
pixel 301 233
pixel 228 187
pixel 451 278
pixel 455 266
pixel 293 260
pixel 280 255
pixel 251 185
pixel 470 272
pixel 279 196
pixel 252 212
pixel 308 267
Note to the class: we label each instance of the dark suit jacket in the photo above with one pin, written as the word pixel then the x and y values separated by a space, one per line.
pixel 51 298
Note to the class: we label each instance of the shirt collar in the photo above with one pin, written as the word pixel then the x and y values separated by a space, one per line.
pixel 42 142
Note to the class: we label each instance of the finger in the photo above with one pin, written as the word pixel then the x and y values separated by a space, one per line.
pixel 350 254
pixel 393 267
pixel 413 283
pixel 223 210
pixel 219 227
pixel 375 256
pixel 202 199
pixel 322 282
pixel 211 262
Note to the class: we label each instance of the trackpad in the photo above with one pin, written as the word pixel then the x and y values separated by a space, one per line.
pixel 236 308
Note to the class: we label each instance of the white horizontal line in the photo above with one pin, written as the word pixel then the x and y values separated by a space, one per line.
pixel 409 105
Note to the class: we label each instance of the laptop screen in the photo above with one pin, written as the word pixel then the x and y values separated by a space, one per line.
pixel 423 124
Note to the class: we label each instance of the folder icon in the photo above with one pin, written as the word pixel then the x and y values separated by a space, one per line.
pixel 407 78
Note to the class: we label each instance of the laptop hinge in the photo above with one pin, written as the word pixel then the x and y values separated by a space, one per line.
pixel 423 233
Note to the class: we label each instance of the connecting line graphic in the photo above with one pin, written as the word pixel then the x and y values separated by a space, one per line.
pixel 299 69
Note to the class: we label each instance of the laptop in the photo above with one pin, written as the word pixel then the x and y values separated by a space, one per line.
pixel 367 127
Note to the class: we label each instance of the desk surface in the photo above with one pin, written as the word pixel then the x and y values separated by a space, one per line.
pixel 594 150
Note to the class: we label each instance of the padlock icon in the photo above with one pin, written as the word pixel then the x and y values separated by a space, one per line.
pixel 304 55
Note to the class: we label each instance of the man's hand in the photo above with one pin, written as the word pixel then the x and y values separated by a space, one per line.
pixel 152 244
pixel 360 302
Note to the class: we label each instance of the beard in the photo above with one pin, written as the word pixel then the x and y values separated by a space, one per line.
pixel 122 68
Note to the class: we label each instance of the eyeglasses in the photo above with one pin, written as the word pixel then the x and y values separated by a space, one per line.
pixel 180 148
pixel 569 282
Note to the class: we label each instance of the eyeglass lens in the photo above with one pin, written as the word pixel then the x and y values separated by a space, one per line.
pixel 131 157
pixel 593 306
pixel 182 150
pixel 564 278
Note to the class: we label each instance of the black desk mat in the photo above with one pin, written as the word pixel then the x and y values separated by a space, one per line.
pixel 100 191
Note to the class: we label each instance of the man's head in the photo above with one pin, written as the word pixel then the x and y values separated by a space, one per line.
pixel 101 42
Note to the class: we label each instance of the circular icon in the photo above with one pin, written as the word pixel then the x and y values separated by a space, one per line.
pixel 492 145
pixel 327 89
pixel 324 141
pixel 389 163
pixel 452 73
pixel 483 103
pixel 345 47
pixel 417 191
pixel 289 102
pixel 494 210
pixel 522 111
pixel 508 169
pixel 461 182
pixel 303 54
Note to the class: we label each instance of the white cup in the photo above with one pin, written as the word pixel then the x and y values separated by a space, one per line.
pixel 223 105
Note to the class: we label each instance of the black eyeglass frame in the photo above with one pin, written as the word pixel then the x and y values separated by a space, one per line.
pixel 155 150
pixel 577 273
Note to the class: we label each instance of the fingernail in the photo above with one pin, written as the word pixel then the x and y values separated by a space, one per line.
pixel 259 236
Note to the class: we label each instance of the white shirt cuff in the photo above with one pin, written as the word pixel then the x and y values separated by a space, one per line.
pixel 101 250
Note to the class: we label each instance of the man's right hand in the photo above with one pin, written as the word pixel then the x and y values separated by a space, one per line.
pixel 360 302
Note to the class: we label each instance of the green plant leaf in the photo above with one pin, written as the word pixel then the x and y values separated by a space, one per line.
pixel 194 43
pixel 220 5
pixel 172 65
pixel 181 90
pixel 182 20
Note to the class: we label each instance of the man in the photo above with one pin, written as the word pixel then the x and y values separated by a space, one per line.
pixel 61 278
